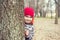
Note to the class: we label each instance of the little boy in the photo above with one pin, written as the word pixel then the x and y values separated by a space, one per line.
pixel 29 17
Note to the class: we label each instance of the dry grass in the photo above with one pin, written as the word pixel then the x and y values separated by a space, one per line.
pixel 45 29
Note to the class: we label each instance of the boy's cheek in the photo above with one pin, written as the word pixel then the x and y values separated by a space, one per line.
pixel 27 20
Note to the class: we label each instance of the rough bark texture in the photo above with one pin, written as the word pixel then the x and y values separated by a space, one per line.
pixel 11 20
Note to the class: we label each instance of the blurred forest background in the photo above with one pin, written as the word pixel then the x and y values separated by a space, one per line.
pixel 47 19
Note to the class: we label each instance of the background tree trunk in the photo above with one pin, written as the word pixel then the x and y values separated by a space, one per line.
pixel 36 14
pixel 56 17
pixel 11 20
pixel 59 8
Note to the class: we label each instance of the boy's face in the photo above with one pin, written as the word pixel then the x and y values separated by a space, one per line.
pixel 28 19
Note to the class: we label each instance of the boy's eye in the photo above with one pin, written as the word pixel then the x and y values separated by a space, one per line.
pixel 29 16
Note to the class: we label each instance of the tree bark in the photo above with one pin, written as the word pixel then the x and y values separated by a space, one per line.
pixel 11 20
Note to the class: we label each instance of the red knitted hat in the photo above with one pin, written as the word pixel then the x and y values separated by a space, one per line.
pixel 29 11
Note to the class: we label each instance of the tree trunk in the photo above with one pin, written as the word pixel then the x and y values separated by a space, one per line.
pixel 32 3
pixel 44 14
pixel 36 14
pixel 51 14
pixel 11 20
pixel 59 11
pixel 56 17
pixel 59 8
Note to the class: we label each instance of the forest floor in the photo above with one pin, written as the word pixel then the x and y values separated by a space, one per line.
pixel 45 29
